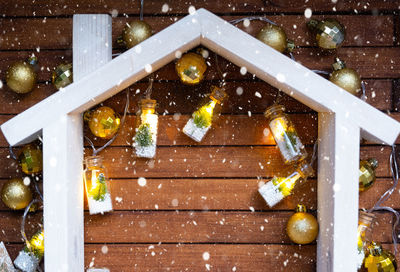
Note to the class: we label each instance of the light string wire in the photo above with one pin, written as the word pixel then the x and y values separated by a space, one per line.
pixel 141 10
pixel 95 151
pixel 23 233
pixel 394 170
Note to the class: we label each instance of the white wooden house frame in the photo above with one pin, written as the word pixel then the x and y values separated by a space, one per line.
pixel 342 119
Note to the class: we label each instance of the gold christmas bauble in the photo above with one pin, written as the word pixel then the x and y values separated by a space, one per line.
pixel 275 37
pixel 135 32
pixel 21 77
pixel 30 159
pixel 345 78
pixel 103 122
pixel 302 227
pixel 62 75
pixel 15 194
pixel 191 68
pixel 379 259
pixel 329 33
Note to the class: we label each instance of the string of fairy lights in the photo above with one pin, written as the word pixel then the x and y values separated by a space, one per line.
pixel 104 123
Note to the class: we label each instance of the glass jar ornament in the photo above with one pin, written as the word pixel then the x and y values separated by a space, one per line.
pixel 275 190
pixel 275 37
pixel 329 33
pixel 367 173
pixel 285 135
pixel 21 76
pixel 135 32
pixel 30 159
pixel 345 78
pixel 15 194
pixel 29 258
pixel 302 227
pixel 364 231
pixel 103 122
pixel 201 120
pixel 97 185
pixel 379 259
pixel 145 140
pixel 62 75
pixel 191 68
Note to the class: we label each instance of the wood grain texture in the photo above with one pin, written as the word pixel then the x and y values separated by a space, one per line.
pixel 19 38
pixel 202 188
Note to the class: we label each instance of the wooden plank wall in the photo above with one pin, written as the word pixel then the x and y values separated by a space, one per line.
pixel 203 197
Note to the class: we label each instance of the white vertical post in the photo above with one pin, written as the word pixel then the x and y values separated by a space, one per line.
pixel 63 154
pixel 338 163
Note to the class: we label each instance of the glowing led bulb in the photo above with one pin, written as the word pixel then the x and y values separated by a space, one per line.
pixel 201 121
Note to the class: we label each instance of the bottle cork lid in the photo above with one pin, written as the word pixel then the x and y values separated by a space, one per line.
pixel 305 169
pixel 273 109
pixel 218 94
pixel 148 103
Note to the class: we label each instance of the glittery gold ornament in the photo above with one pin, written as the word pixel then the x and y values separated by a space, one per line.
pixel 103 122
pixel 367 173
pixel 329 33
pixel 62 75
pixel 302 227
pixel 191 68
pixel 275 37
pixel 135 32
pixel 345 78
pixel 30 159
pixel 15 194
pixel 21 77
pixel 379 259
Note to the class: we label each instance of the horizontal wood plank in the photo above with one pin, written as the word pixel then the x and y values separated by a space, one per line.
pixel 202 162
pixel 15 36
pixel 244 97
pixel 120 7
pixel 180 227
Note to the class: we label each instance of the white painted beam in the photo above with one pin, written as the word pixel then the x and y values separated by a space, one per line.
pixel 293 78
pixel 63 154
pixel 338 164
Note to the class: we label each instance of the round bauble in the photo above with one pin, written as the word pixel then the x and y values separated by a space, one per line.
pixel 378 259
pixel 103 122
pixel 62 75
pixel 15 194
pixel 302 227
pixel 345 78
pixel 21 77
pixel 191 68
pixel 135 32
pixel 30 159
pixel 329 33
pixel 275 37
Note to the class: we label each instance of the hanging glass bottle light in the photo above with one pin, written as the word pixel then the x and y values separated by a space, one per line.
pixel 145 140
pixel 278 188
pixel 285 135
pixel 202 118
pixel 365 220
pixel 97 185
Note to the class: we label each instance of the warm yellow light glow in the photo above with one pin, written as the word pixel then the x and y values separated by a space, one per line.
pixel 288 184
pixel 210 107
pixel 279 127
pixel 94 184
pixel 148 117
pixel 36 244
